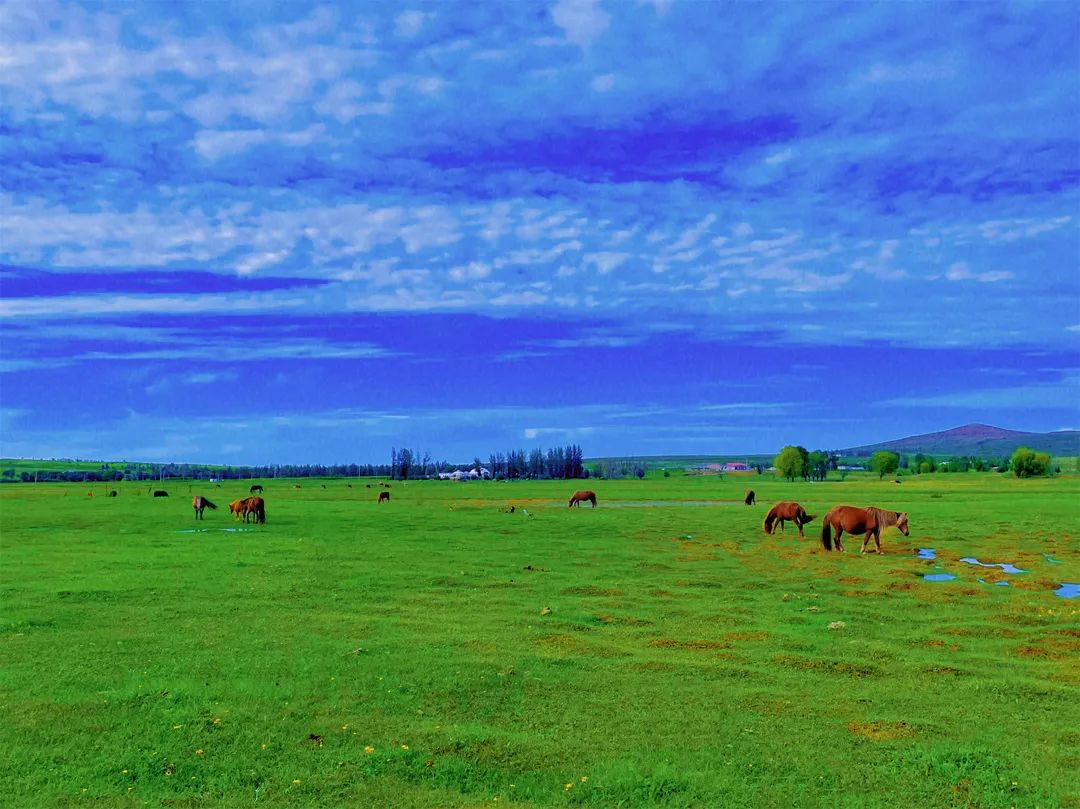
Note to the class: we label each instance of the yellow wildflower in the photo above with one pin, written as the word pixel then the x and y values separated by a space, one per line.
pixel 404 747
pixel 369 749
pixel 296 780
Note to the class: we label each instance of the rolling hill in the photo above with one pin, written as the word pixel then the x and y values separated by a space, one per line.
pixel 980 440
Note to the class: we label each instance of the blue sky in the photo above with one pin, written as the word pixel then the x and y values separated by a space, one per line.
pixel 278 232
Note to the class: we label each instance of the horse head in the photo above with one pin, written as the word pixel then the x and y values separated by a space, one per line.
pixel 901 522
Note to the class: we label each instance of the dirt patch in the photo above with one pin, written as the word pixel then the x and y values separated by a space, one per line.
pixel 623 620
pixel 940 644
pixel 852 580
pixel 693 645
pixel 746 635
pixel 902 586
pixel 881 731
pixel 836 667
pixel 661 593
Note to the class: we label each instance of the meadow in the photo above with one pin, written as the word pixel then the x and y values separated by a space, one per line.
pixel 659 650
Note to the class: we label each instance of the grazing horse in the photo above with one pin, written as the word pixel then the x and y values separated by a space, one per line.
pixel 236 508
pixel 384 497
pixel 787 510
pixel 198 502
pixel 256 507
pixel 255 488
pixel 582 496
pixel 160 493
pixel 870 521
pixel 750 499
pixel 114 493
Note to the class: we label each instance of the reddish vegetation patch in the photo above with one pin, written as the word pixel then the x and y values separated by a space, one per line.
pixel 902 586
pixel 881 731
pixel 852 580
pixel 695 645
pixel 940 644
pixel 661 593
pixel 864 594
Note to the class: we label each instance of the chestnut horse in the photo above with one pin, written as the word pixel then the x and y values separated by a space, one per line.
pixel 253 506
pixel 198 502
pixel 581 496
pixel 870 521
pixel 787 510
pixel 384 497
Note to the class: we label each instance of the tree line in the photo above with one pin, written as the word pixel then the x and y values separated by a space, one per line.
pixel 557 463
pixel 796 462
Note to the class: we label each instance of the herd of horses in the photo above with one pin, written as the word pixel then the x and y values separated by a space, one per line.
pixel 869 521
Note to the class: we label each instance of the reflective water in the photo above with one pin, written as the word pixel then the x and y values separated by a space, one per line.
pixel 927 553
pixel 939 576
pixel 1005 566
pixel 1068 591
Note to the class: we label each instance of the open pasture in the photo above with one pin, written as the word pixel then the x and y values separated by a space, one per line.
pixel 658 650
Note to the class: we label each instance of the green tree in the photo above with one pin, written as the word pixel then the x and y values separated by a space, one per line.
pixel 1027 463
pixel 884 463
pixel 791 462
pixel 818 465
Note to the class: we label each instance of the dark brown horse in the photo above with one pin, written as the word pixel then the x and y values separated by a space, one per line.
pixel 160 493
pixel 255 488
pixel 384 497
pixel 582 496
pixel 198 502
pixel 787 510
pixel 750 498
pixel 870 521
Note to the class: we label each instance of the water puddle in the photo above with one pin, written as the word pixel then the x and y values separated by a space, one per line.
pixel 996 584
pixel 939 577
pixel 206 530
pixel 926 553
pixel 1051 559
pixel 1068 591
pixel 1005 566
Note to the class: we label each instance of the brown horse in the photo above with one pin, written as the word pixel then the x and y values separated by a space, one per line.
pixel 750 498
pixel 256 508
pixel 256 488
pixel 198 502
pixel 582 496
pixel 787 510
pixel 384 497
pixel 870 521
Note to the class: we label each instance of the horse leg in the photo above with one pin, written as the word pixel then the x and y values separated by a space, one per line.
pixel 877 541
pixel 839 533
pixel 799 525
pixel 866 540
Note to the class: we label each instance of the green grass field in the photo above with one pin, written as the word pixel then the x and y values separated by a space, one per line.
pixel 436 651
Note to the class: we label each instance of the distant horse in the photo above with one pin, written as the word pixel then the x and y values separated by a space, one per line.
pixel 384 497
pixel 160 493
pixel 787 510
pixel 750 498
pixel 255 488
pixel 198 502
pixel 114 493
pixel 870 521
pixel 582 496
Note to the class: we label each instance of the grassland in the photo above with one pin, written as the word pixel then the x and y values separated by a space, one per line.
pixel 437 651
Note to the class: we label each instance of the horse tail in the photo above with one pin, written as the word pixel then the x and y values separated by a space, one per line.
pixel 826 534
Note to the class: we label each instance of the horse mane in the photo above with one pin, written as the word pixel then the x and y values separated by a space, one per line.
pixel 884 518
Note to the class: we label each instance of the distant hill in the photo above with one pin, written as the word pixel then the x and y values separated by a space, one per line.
pixel 981 440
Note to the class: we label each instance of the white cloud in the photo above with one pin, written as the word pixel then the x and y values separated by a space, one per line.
pixel 410 22
pixel 583 21
pixel 603 84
